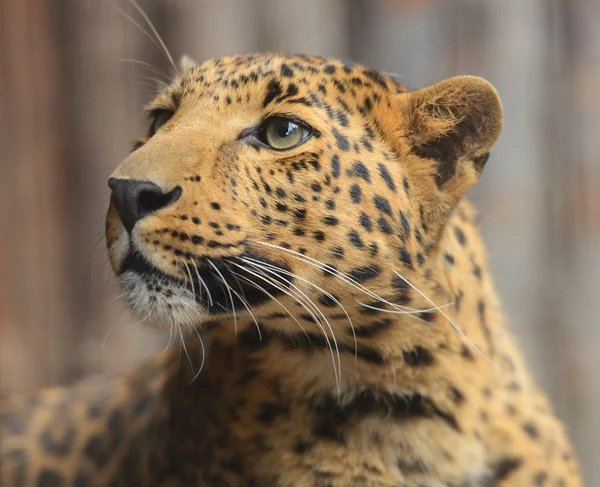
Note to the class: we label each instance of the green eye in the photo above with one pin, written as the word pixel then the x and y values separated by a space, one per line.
pixel 282 133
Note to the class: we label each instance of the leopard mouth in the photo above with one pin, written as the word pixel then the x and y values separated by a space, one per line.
pixel 218 285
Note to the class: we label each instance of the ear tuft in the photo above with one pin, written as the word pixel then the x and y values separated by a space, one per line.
pixel 186 63
pixel 456 120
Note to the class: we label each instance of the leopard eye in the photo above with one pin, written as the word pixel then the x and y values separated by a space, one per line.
pixel 283 133
pixel 159 118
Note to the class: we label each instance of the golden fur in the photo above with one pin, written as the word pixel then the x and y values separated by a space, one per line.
pixel 357 339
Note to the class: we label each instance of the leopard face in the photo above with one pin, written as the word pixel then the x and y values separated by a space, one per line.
pixel 269 183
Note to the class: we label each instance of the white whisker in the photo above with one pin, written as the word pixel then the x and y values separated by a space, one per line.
pixel 317 320
pixel 201 281
pixel 457 328
pixel 260 288
pixel 187 268
pixel 149 67
pixel 155 32
pixel 228 289
pixel 320 265
pixel 326 293
pixel 203 357
pixel 412 312
pixel 246 305
pixel 185 348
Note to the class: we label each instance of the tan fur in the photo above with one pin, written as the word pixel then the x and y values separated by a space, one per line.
pixel 429 388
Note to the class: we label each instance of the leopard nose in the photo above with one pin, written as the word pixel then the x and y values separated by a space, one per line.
pixel 136 199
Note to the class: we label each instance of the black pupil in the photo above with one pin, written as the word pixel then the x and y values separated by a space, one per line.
pixel 286 128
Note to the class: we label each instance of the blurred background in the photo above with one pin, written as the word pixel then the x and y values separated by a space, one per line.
pixel 74 78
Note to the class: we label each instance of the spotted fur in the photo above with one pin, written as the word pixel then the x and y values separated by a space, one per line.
pixel 359 341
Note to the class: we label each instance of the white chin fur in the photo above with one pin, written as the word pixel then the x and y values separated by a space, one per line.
pixel 173 305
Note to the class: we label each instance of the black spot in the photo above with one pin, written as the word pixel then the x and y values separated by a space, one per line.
pixel 96 450
pixel 502 469
pixel 360 171
pixel 355 240
pixel 405 257
pixel 365 222
pixel 273 91
pixel 308 317
pixel 286 71
pixel 270 411
pixel 57 441
pixel 50 478
pixel 339 86
pixel 328 300
pixel 427 316
pixel 418 356
pixel 374 307
pixel 355 193
pixel 387 177
pixel 329 270
pixel 215 206
pixel 330 220
pixel 466 353
pixel 405 224
pixel 292 90
pixel 342 140
pixel 251 339
pixel 299 214
pixel 332 418
pixel 460 236
pixel 302 447
pixel 373 249
pixel 486 329
pixel 417 466
pixel 82 480
pixel 329 69
pixel 376 77
pixel 384 226
pixel 383 205
pixel 531 430
pixel 402 289
pixel 362 274
pixel 337 252
pixel 142 404
pixel 540 479
pixel 343 119
pixel 457 396
pixel 449 258
pixel 319 235
pixel 197 239
pixel 369 354
pixel 335 166
pixel 372 329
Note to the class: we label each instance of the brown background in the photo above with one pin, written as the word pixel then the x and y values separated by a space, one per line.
pixel 69 108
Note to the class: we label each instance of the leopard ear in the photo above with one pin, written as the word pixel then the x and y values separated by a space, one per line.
pixel 455 123
pixel 186 63
pixel 447 131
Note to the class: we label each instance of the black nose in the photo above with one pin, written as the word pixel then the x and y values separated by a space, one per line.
pixel 136 199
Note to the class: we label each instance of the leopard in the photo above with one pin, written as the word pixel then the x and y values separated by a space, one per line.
pixel 299 226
